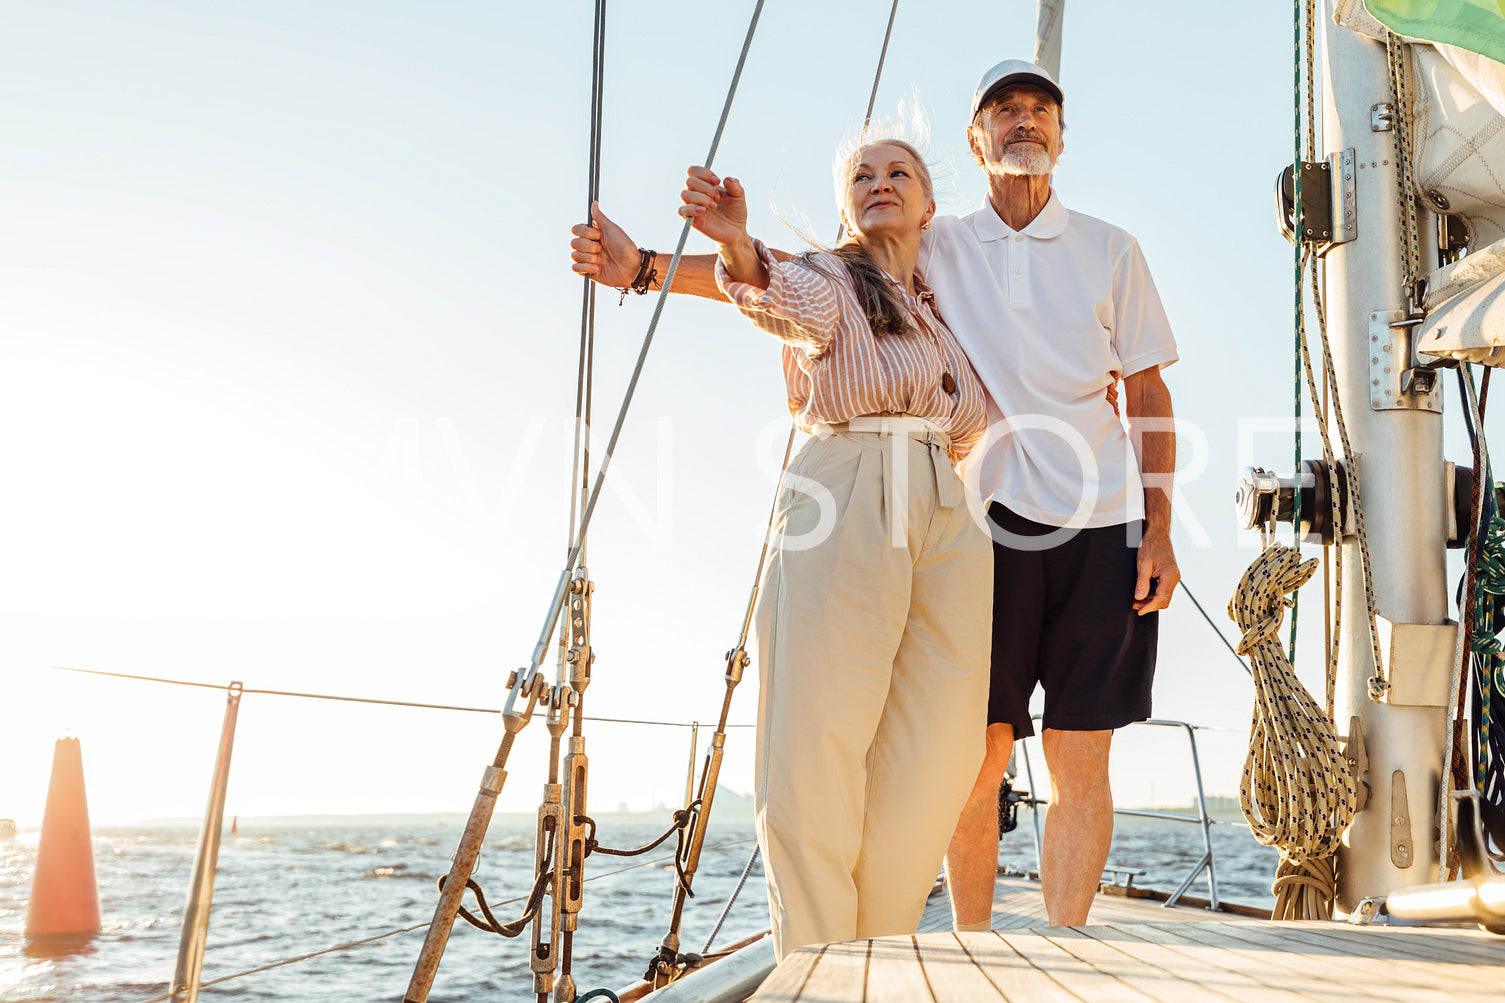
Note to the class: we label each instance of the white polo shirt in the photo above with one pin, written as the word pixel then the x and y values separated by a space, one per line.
pixel 1046 314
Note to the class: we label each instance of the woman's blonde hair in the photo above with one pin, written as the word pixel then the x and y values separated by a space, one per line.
pixel 881 302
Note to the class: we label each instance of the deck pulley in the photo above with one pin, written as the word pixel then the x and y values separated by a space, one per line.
pixel 1264 498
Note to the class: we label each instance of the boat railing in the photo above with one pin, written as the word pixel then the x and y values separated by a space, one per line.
pixel 1201 817
pixel 186 982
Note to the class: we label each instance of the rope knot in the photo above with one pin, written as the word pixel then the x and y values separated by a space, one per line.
pixel 1259 603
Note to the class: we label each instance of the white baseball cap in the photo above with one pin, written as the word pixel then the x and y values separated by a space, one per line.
pixel 1014 71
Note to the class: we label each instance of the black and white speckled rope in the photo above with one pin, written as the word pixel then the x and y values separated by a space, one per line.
pixel 1296 791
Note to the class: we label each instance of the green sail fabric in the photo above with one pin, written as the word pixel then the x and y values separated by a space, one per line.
pixel 1475 25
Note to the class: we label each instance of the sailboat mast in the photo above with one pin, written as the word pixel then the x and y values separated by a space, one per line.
pixel 1396 437
pixel 1048 15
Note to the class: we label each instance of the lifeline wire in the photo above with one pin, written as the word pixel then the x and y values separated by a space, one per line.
pixel 369 700
pixel 407 929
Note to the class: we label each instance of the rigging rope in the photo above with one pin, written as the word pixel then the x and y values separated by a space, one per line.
pixel 1395 53
pixel 1350 479
pixel 545 872
pixel 1482 609
pixel 1297 791
pixel 1300 251
pixel 1330 666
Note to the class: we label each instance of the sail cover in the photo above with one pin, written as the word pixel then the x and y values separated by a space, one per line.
pixel 1475 25
pixel 1456 78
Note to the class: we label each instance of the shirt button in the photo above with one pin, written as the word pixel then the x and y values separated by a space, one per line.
pixel 1018 271
pixel 1018 240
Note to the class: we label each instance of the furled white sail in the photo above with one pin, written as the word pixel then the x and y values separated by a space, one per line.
pixel 1457 128
pixel 1457 120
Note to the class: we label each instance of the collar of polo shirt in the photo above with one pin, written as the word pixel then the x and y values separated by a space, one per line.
pixel 1051 222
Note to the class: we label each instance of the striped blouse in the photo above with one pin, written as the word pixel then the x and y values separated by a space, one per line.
pixel 835 369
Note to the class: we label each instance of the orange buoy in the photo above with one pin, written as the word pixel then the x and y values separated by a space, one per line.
pixel 64 899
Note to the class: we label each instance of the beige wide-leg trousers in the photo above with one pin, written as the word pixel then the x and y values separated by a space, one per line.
pixel 873 625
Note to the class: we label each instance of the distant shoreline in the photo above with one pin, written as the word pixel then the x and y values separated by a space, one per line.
pixel 730 807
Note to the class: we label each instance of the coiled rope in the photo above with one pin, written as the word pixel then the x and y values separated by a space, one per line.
pixel 1297 791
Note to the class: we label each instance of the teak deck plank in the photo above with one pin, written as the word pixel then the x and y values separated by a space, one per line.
pixel 1248 976
pixel 952 975
pixel 1422 943
pixel 789 975
pixel 1224 981
pixel 1152 980
pixel 1359 949
pixel 1137 951
pixel 894 972
pixel 1065 968
pixel 839 974
pixel 1317 976
pixel 1135 963
pixel 1017 980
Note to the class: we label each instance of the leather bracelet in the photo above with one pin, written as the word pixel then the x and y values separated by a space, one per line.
pixel 647 273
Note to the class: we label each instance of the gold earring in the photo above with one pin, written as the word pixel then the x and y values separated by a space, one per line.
pixel 925 225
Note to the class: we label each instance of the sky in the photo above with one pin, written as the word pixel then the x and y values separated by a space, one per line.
pixel 288 345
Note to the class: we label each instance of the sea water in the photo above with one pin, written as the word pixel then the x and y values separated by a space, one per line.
pixel 289 888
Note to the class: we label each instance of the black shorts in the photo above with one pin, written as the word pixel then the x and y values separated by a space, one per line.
pixel 1063 617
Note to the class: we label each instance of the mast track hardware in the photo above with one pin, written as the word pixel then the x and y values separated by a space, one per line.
pixel 1329 203
pixel 1453 236
pixel 1398 379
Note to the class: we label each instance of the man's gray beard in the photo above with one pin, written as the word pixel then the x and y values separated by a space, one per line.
pixel 1025 159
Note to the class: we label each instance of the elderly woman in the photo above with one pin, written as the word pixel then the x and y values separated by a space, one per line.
pixel 874 617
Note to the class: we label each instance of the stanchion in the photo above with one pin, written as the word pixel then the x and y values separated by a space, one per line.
pixel 185 980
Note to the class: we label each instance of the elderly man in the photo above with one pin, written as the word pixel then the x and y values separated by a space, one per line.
pixel 1052 307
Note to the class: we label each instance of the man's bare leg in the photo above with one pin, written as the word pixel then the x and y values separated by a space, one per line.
pixel 1079 825
pixel 972 859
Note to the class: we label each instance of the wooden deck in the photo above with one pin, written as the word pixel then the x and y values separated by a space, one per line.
pixel 1137 951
